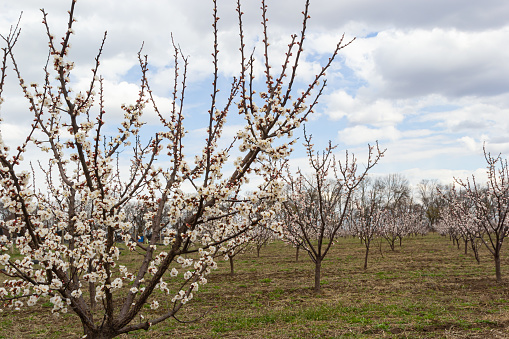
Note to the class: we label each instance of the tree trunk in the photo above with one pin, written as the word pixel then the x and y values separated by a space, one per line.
pixel 466 246
pixel 476 254
pixel 103 333
pixel 497 267
pixel 297 254
pixel 318 266
pixel 232 272
pixel 366 258
pixel 91 290
pixel 258 248
pixel 475 249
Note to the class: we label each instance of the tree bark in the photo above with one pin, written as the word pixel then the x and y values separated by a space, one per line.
pixel 232 272
pixel 366 258
pixel 476 254
pixel 318 267
pixel 497 267
pixel 297 254
pixel 91 290
pixel 475 249
pixel 103 333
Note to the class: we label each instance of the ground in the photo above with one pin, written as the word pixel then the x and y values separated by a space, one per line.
pixel 427 288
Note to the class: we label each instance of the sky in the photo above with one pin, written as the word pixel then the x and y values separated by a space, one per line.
pixel 427 79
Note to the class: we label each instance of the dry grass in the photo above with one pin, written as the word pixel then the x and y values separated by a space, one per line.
pixel 425 289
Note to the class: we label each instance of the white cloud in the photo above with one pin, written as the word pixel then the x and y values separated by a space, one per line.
pixel 14 134
pixel 472 115
pixel 357 110
pixel 405 64
pixel 363 135
pixel 471 144
pixel 462 14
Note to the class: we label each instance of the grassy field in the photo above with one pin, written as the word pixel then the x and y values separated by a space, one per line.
pixel 425 289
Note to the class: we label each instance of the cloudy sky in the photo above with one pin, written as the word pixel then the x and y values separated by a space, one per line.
pixel 428 79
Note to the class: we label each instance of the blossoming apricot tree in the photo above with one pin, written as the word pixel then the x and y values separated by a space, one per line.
pixel 318 205
pixel 68 228
pixel 366 216
pixel 399 223
pixel 459 220
pixel 490 205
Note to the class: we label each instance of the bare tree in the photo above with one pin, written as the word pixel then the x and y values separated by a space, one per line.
pixel 318 204
pixel 432 201
pixel 71 220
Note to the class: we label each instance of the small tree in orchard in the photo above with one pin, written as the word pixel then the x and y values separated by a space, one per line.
pixel 366 214
pixel 234 247
pixel 491 205
pixel 398 223
pixel 291 230
pixel 448 225
pixel 70 222
pixel 317 204
pixel 459 221
pixel 261 236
